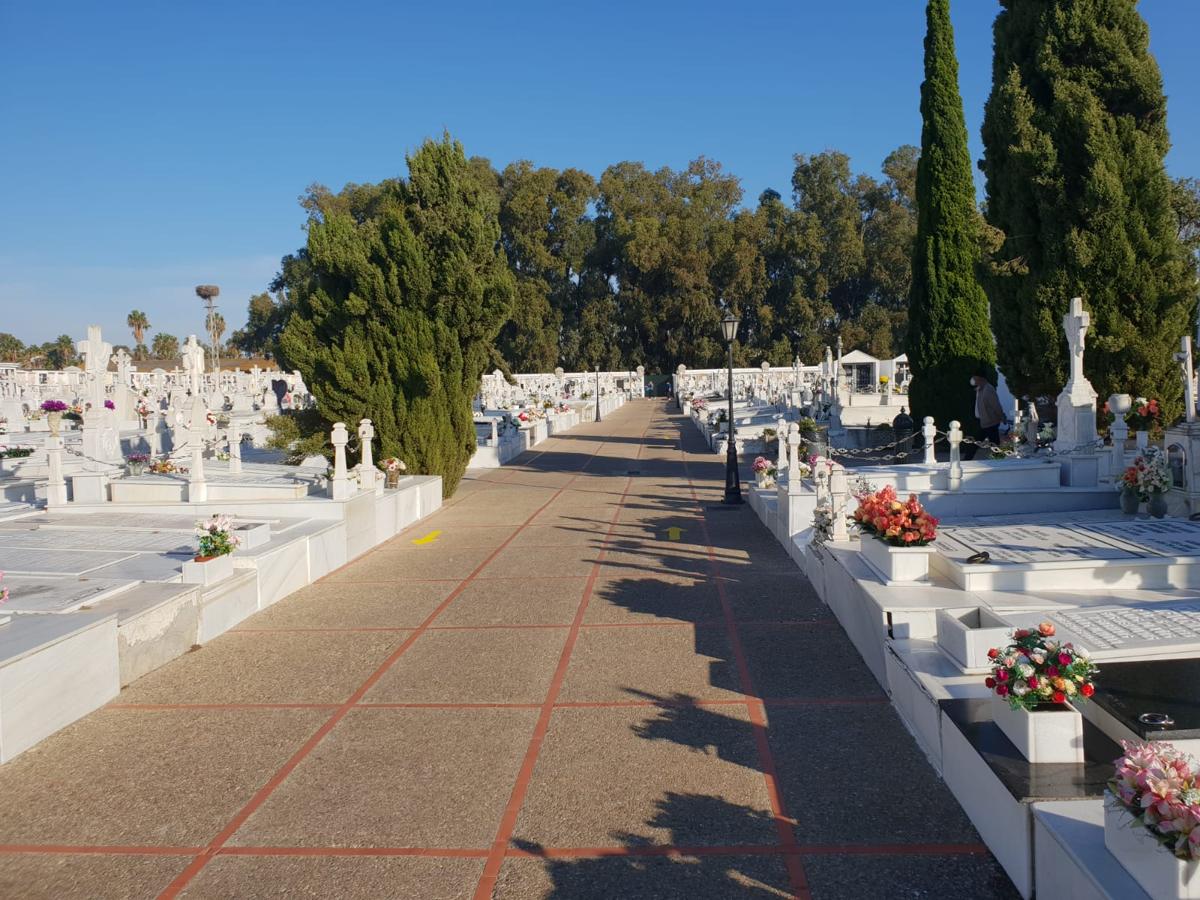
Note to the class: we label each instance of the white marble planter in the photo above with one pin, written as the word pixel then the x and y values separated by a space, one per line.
pixel 966 634
pixel 896 563
pixel 1161 874
pixel 208 572
pixel 1047 736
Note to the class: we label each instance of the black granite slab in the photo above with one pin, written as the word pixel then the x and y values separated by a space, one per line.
pixel 1160 687
pixel 1033 782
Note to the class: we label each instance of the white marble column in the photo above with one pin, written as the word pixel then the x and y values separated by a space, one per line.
pixel 339 485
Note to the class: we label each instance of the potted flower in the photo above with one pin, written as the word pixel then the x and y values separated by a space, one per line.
pixel 75 412
pixel 143 412
pixel 895 534
pixel 108 404
pixel 1033 681
pixel 392 469
pixel 764 471
pixel 1152 819
pixel 215 542
pixel 54 410
pixel 135 463
pixel 1148 479
pixel 1145 419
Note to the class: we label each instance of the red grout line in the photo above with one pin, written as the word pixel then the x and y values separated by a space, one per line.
pixel 508 821
pixel 654 850
pixel 426 852
pixel 436 705
pixel 202 859
pixel 783 822
pixel 88 849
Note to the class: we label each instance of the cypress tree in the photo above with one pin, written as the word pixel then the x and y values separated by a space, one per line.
pixel 398 298
pixel 948 339
pixel 1074 139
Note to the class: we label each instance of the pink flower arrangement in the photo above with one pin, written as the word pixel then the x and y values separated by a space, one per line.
pixel 895 522
pixel 53 406
pixel 1160 788
pixel 761 464
pixel 1036 669
pixel 108 404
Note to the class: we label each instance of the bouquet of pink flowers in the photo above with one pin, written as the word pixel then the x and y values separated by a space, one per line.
pixel 1160 788
pixel 216 537
pixel 1036 669
pixel 762 464
pixel 896 522
pixel 53 406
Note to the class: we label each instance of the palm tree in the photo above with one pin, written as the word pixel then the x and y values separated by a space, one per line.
pixel 139 324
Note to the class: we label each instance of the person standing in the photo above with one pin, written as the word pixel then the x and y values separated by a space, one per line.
pixel 988 410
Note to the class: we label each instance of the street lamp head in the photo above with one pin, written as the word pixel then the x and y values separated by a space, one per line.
pixel 729 327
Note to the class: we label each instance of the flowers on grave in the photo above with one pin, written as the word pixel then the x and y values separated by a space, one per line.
pixel 1160 788
pixel 108 404
pixel 1149 473
pixel 901 523
pixel 164 466
pixel 137 458
pixel 75 412
pixel 210 418
pixel 216 537
pixel 54 406
pixel 7 452
pixel 3 590
pixel 143 410
pixel 1146 415
pixel 762 465
pixel 699 403
pixel 391 464
pixel 1035 668
pixel 883 379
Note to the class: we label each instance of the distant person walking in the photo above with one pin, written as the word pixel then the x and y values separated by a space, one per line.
pixel 988 410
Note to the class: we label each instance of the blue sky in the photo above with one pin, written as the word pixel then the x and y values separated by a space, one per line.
pixel 149 147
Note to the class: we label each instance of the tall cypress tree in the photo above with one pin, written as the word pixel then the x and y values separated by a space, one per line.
pixel 1074 139
pixel 948 338
pixel 398 298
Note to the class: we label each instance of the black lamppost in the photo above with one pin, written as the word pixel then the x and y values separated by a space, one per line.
pixel 597 392
pixel 733 483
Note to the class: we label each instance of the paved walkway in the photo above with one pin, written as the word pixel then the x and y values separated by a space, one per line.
pixel 578 680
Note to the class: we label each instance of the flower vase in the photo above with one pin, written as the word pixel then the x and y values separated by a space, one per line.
pixel 761 478
pixel 1157 506
pixel 392 478
pixel 1053 733
pixel 1143 440
pixel 54 419
pixel 1161 874
pixel 896 564
pixel 136 468
pixel 1130 502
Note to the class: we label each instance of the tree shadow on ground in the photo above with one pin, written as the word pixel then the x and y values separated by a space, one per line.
pixel 641 867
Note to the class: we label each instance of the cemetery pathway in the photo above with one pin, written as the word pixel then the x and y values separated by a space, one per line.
pixel 580 679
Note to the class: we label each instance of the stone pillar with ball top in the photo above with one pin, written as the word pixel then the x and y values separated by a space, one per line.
pixel 367 474
pixel 339 484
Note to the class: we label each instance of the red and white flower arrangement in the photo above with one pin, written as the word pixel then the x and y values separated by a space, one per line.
pixel 893 521
pixel 1149 473
pixel 392 464
pixel 216 537
pixel 1036 669
pixel 1160 787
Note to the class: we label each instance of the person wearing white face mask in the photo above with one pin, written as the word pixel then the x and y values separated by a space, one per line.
pixel 988 410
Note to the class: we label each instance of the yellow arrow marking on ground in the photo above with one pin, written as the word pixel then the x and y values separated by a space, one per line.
pixel 428 539
pixel 674 532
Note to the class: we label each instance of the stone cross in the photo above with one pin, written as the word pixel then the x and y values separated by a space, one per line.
pixel 1075 324
pixel 95 352
pixel 1184 358
pixel 193 363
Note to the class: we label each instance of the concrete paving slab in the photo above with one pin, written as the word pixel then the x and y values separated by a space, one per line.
pixel 405 563
pixel 841 877
pixel 638 597
pixel 805 662
pixel 334 665
pixel 43 876
pixel 611 778
pixel 506 665
pixel 161 778
pixel 334 604
pixel 538 601
pixel 399 778
pixel 321 878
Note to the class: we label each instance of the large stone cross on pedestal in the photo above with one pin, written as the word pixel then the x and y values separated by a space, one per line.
pixel 95 352
pixel 1077 403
